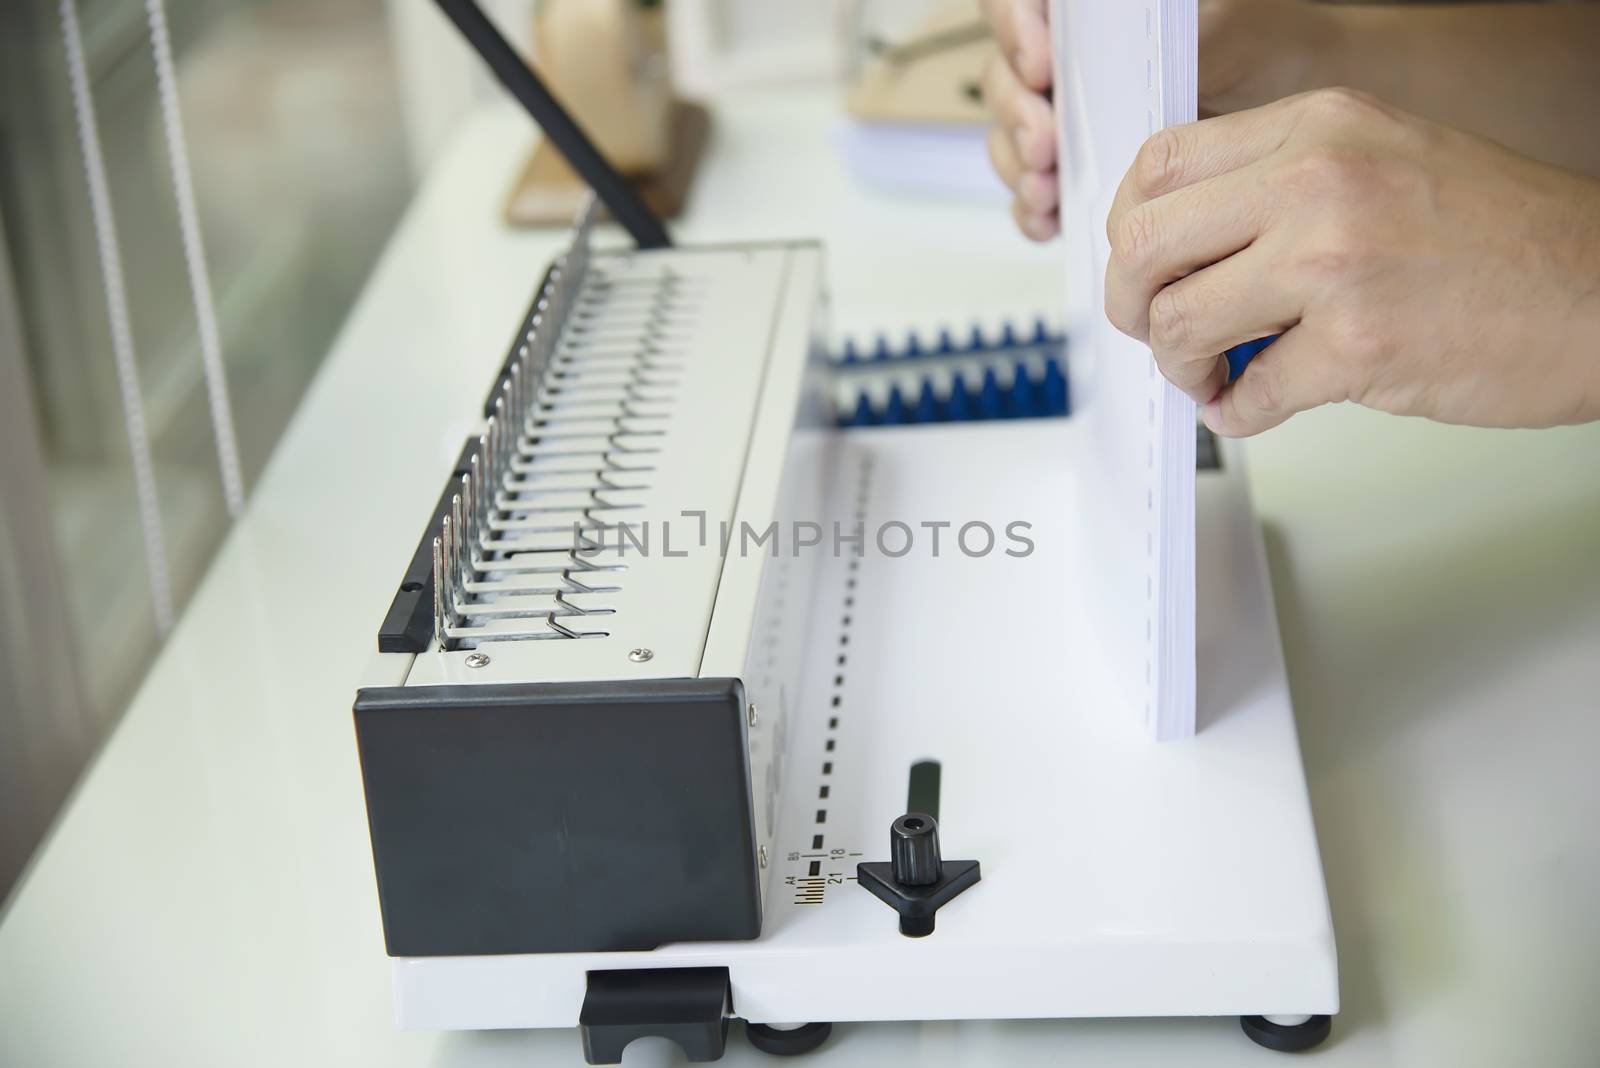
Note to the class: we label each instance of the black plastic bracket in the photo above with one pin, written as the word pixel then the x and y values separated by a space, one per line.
pixel 408 626
pixel 690 1006
pixel 917 882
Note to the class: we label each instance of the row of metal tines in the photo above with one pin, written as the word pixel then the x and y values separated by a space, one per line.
pixel 505 566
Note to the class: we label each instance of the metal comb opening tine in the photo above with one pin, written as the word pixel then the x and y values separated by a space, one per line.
pixel 491 467
pixel 513 396
pixel 494 474
pixel 563 604
pixel 447 537
pixel 521 365
pixel 469 529
pixel 539 350
pixel 506 435
pixel 475 468
pixel 528 356
pixel 439 639
pixel 550 621
pixel 459 567
pixel 549 334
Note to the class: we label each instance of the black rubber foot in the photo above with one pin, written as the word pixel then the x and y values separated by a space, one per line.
pixel 1287 1039
pixel 788 1043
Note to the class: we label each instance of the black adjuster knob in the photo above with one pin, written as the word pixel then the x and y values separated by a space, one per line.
pixel 914 850
pixel 917 881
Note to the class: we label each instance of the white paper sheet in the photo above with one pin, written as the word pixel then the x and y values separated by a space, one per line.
pixel 1123 70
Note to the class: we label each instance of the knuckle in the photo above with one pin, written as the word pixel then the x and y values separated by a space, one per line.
pixel 1345 248
pixel 1157 163
pixel 1335 254
pixel 1341 105
pixel 1117 316
pixel 1029 151
pixel 1171 319
pixel 1125 308
pixel 1035 227
pixel 1327 171
pixel 1262 390
pixel 1357 336
pixel 1134 239
pixel 1035 190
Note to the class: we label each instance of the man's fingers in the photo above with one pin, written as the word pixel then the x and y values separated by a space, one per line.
pixel 1022 31
pixel 1195 319
pixel 1038 191
pixel 1180 156
pixel 1023 114
pixel 1039 227
pixel 1288 377
pixel 1158 242
pixel 1003 156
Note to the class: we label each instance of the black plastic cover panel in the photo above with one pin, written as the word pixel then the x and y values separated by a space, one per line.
pixel 559 817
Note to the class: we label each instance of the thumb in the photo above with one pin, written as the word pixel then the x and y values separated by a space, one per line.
pixel 1282 380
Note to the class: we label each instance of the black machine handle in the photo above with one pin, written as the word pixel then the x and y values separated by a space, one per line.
pixel 626 205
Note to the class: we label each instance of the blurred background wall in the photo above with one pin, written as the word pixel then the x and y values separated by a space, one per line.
pixel 296 136
pixel 308 125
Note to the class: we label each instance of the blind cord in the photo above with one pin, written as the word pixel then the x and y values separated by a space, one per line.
pixel 144 477
pixel 194 255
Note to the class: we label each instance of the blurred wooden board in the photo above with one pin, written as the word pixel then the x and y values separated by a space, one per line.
pixel 548 192
pixel 934 84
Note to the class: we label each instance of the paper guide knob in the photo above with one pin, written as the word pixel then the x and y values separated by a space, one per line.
pixel 914 850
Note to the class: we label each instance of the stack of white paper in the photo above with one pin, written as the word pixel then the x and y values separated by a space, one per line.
pixel 944 159
pixel 1124 70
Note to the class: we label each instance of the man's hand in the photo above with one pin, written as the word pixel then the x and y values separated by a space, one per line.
pixel 1250 51
pixel 1409 267
pixel 1022 142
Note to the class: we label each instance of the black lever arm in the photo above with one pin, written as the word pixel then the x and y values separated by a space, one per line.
pixel 614 191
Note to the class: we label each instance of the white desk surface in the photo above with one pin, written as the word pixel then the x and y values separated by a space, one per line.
pixel 207 897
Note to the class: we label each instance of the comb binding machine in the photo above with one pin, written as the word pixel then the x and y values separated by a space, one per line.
pixel 655 686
